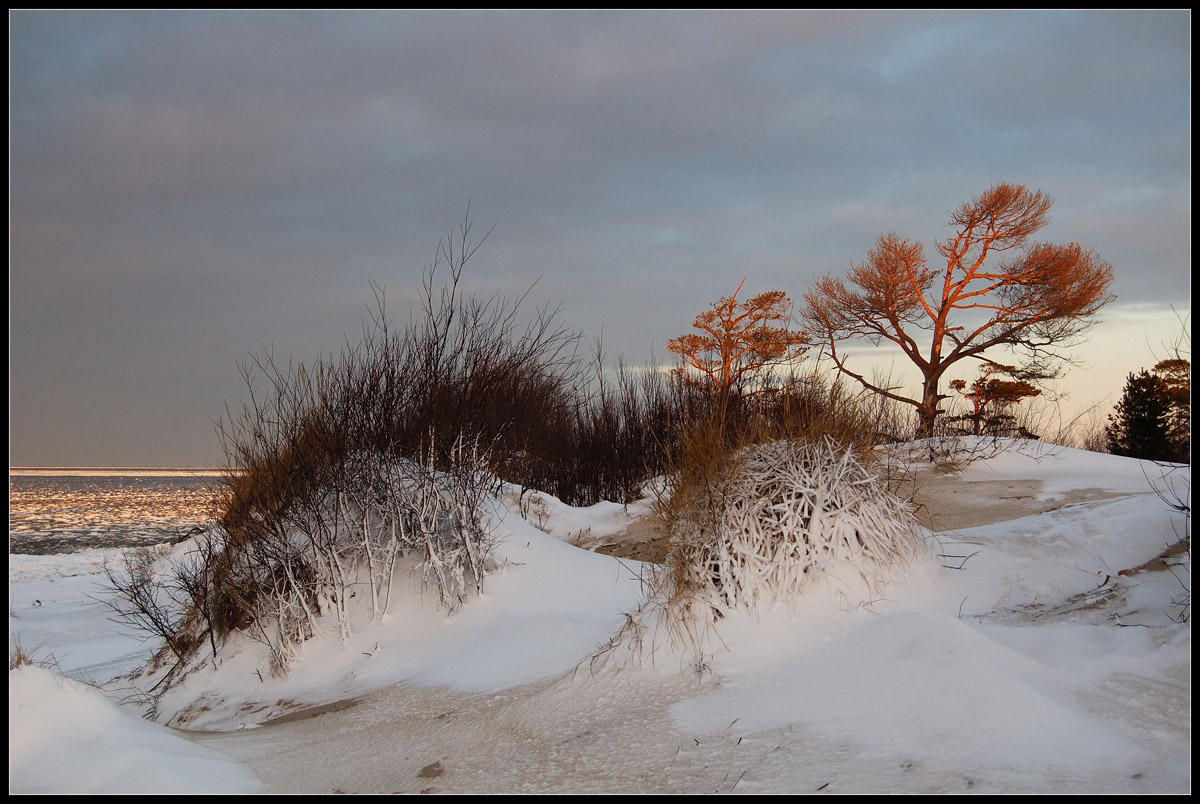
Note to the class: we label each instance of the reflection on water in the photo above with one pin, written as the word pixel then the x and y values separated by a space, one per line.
pixel 71 509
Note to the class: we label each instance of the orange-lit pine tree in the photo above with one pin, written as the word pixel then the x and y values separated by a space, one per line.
pixel 998 290
pixel 738 341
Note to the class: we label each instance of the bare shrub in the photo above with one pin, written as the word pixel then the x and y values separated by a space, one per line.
pixel 145 602
pixel 294 561
pixel 624 431
pixel 339 472
pixel 1090 433
pixel 169 594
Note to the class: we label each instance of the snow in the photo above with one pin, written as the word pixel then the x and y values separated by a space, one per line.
pixel 66 737
pixel 1041 654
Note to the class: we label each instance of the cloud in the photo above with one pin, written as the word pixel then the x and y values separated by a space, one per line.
pixel 259 169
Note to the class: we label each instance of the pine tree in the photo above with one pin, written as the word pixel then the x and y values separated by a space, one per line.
pixel 1177 374
pixel 991 398
pixel 737 342
pixel 1139 427
pixel 999 289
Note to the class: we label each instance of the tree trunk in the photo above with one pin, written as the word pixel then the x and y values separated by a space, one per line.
pixel 927 411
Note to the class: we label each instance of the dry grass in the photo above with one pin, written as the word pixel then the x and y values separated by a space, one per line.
pixel 20 656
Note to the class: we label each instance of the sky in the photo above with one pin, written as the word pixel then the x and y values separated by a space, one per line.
pixel 1036 650
pixel 191 188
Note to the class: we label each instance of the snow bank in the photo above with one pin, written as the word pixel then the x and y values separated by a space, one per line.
pixel 65 737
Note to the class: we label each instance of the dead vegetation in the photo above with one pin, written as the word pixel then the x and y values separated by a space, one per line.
pixel 753 525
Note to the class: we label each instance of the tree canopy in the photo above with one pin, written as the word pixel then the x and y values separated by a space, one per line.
pixel 998 289
pixel 738 340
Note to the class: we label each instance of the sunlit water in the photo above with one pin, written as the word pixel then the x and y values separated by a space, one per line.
pixel 67 510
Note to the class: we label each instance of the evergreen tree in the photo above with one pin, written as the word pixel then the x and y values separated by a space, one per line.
pixel 1177 374
pixel 991 398
pixel 1139 427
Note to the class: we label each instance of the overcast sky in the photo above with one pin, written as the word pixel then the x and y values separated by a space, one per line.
pixel 190 188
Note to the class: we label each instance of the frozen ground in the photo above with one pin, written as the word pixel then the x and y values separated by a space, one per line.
pixel 1045 647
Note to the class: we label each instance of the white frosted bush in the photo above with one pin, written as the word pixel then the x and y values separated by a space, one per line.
pixel 760 528
pixel 782 515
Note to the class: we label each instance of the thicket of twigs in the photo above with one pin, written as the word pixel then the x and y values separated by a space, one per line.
pixel 779 515
pixel 342 474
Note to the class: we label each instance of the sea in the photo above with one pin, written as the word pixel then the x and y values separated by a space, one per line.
pixel 62 510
